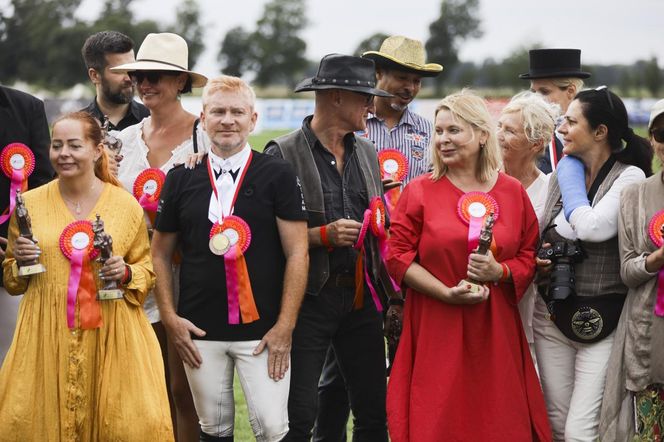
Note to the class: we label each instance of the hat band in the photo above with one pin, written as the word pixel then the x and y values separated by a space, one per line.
pixel 342 81
pixel 163 62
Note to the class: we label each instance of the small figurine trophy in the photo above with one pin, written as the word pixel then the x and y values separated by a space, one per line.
pixel 33 266
pixel 104 243
pixel 486 234
pixel 113 144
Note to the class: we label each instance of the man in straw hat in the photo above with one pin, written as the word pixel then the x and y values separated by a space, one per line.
pixel 556 75
pixel 339 175
pixel 400 67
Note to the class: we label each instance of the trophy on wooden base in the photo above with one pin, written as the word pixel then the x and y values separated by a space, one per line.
pixel 104 243
pixel 486 235
pixel 33 266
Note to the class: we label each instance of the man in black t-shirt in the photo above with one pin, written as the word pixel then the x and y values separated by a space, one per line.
pixel 240 221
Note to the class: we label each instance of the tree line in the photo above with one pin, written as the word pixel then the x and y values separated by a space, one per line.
pixel 40 43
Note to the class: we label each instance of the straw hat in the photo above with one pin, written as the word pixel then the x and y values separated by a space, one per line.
pixel 406 54
pixel 346 72
pixel 163 52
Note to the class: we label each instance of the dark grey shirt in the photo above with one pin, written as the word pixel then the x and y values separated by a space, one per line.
pixel 134 115
pixel 344 194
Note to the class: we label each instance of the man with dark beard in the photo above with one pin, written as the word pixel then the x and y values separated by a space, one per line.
pixel 115 91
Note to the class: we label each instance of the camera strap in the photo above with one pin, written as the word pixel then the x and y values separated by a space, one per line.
pixel 601 176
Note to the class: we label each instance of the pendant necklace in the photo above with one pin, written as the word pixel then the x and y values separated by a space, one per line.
pixel 77 204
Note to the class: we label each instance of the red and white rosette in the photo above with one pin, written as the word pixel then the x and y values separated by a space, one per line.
pixel 393 165
pixel 361 270
pixel 147 188
pixel 231 239
pixel 656 233
pixel 18 163
pixel 473 208
pixel 77 245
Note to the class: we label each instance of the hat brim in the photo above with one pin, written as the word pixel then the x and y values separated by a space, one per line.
pixel 197 80
pixel 308 85
pixel 425 70
pixel 554 74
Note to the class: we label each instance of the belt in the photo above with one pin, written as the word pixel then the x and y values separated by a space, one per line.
pixel 341 280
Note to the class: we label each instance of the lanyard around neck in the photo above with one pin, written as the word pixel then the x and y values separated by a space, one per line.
pixel 238 184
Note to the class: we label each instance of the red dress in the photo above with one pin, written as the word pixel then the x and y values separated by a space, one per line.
pixel 463 372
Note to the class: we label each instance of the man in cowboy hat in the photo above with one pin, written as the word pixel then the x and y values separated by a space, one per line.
pixel 400 66
pixel 556 75
pixel 115 90
pixel 339 175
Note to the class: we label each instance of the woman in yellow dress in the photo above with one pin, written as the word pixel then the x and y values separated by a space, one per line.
pixel 81 369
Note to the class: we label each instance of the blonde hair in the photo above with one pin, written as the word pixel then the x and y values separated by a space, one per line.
pixel 565 82
pixel 539 116
pixel 93 134
pixel 227 83
pixel 470 108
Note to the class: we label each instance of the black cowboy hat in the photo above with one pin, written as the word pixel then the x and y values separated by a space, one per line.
pixel 346 72
pixel 554 63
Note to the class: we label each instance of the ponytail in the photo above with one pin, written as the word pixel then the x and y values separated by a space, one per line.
pixel 103 172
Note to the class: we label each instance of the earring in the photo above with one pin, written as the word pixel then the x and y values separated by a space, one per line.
pixel 482 145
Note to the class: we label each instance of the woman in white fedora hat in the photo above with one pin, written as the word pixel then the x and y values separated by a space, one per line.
pixel 150 149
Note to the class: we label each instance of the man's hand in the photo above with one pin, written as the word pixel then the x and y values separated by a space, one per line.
pixel 343 232
pixel 179 332
pixel 278 342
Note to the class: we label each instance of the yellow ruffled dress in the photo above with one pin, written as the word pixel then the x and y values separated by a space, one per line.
pixel 61 384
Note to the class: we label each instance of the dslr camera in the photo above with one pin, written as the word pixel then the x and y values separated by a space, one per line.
pixel 563 255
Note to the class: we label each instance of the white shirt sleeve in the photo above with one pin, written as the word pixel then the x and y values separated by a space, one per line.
pixel 600 223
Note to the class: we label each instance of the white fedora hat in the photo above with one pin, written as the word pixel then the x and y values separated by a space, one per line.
pixel 163 52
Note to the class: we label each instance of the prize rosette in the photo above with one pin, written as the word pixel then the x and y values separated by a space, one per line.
pixel 77 245
pixel 656 232
pixel 378 220
pixel 360 267
pixel 147 188
pixel 231 239
pixel 393 165
pixel 18 163
pixel 473 208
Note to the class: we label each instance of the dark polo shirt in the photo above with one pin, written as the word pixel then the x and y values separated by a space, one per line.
pixel 270 189
pixel 134 115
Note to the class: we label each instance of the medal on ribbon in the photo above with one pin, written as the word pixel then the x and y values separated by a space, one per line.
pixel 656 233
pixel 17 162
pixel 473 208
pixel 77 245
pixel 393 165
pixel 147 188
pixel 361 271
pixel 230 238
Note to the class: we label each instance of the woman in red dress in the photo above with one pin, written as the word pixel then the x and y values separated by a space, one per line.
pixel 463 370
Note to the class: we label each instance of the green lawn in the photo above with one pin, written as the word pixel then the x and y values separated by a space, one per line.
pixel 259 140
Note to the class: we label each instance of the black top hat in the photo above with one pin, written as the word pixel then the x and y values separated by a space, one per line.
pixel 554 63
pixel 338 71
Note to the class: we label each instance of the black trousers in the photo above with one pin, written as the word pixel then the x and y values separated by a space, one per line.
pixel 333 403
pixel 357 339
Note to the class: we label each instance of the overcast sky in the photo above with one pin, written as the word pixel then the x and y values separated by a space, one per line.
pixel 607 31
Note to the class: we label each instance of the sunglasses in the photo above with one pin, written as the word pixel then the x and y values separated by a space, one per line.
pixel 152 77
pixel 368 98
pixel 608 95
pixel 658 135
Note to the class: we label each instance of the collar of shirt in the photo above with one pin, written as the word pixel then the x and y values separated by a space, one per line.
pixel 314 142
pixel 406 118
pixel 234 162
pixel 135 111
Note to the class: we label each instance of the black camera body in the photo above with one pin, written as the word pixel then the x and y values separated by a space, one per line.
pixel 563 255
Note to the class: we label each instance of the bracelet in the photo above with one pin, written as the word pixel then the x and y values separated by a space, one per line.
pixel 395 301
pixel 506 272
pixel 323 238
pixel 126 279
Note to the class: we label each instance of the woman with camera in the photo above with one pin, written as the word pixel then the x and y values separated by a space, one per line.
pixel 636 367
pixel 525 128
pixel 581 294
pixel 463 370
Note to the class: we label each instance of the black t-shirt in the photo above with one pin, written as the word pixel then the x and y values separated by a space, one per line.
pixel 270 189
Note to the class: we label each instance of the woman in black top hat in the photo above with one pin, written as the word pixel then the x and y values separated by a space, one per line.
pixel 581 293
pixel 556 75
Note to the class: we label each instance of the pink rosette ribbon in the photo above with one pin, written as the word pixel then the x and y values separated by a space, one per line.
pixel 147 188
pixel 472 208
pixel 17 162
pixel 656 232
pixel 361 267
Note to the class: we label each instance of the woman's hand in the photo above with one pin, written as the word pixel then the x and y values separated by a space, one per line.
pixel 484 268
pixel 655 261
pixel 25 250
pixel 193 159
pixel 462 294
pixel 113 269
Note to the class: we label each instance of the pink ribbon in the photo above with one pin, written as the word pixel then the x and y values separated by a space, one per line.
pixel 474 230
pixel 16 183
pixel 232 285
pixel 145 203
pixel 76 263
pixel 659 306
pixel 382 251
pixel 374 295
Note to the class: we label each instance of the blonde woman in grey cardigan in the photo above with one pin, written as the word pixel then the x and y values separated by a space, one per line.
pixel 633 402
